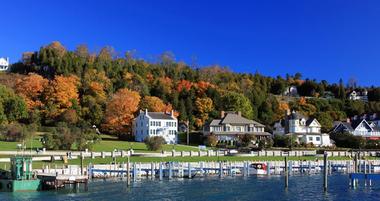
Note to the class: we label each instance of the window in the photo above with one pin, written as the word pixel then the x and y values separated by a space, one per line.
pixel 318 138
pixel 310 138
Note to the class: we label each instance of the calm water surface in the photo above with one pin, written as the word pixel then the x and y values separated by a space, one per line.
pixel 213 188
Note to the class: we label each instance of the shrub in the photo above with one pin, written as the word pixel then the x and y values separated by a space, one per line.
pixel 154 143
pixel 211 140
pixel 16 132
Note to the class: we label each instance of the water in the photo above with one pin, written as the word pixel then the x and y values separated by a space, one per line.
pixel 213 188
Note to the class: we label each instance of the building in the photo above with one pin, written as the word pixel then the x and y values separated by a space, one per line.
pixel 359 127
pixel 356 95
pixel 306 130
pixel 150 124
pixel 4 64
pixel 232 124
pixel 291 91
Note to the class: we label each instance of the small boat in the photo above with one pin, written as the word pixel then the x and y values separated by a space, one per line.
pixel 258 169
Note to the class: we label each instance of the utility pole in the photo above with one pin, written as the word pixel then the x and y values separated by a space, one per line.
pixel 187 132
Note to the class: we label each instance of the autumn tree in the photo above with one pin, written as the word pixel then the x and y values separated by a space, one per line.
pixel 203 106
pixel 153 104
pixel 120 111
pixel 61 93
pixel 31 88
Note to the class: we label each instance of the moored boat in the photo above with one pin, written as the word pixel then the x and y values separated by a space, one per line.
pixel 258 169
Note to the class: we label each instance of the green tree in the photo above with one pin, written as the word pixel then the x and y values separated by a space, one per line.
pixel 233 101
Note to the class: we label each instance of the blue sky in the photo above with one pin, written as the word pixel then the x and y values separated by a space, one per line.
pixel 322 39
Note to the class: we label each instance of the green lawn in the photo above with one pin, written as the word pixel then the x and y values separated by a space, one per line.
pixel 109 143
pixel 12 146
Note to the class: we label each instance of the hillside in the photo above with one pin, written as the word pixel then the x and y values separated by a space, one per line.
pixel 55 86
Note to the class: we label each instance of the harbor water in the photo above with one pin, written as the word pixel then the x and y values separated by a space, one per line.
pixel 306 187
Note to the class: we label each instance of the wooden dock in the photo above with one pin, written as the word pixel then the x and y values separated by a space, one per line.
pixel 56 181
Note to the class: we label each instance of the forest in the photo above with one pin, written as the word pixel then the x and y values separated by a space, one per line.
pixel 74 91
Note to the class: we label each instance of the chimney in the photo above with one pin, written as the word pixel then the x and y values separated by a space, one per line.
pixel 348 120
pixel 172 113
pixel 222 114
pixel 146 111
pixel 239 113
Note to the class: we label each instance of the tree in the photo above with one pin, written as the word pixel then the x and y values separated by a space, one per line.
pixel 61 93
pixel 325 120
pixel 203 106
pixel 120 111
pixel 154 143
pixel 341 90
pixel 15 108
pixel 31 88
pixel 153 104
pixel 233 101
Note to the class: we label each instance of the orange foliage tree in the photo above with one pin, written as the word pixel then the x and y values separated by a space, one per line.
pixel 184 85
pixel 61 93
pixel 120 110
pixel 31 88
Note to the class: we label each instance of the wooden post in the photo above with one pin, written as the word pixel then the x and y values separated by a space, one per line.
pixel 189 169
pixel 286 173
pixel 81 164
pixel 170 170
pixel 151 170
pixel 128 172
pixel 325 171
pixel 187 132
pixel 161 171
pixel 220 169
pixel 134 172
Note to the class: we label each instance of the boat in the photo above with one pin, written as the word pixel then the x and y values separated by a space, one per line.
pixel 21 177
pixel 258 169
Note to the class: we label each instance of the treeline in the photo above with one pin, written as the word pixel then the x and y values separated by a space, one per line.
pixel 104 90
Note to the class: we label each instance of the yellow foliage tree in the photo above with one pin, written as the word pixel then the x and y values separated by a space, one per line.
pixel 204 106
pixel 153 104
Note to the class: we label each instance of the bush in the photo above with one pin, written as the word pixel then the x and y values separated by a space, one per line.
pixel 16 132
pixel 211 140
pixel 154 143
pixel 64 137
pixel 246 139
pixel 347 140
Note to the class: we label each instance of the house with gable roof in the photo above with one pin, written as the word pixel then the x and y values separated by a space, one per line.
pixel 305 129
pixel 359 127
pixel 232 124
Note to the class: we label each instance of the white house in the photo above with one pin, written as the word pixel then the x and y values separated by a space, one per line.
pixel 4 64
pixel 363 96
pixel 307 130
pixel 359 127
pixel 150 124
pixel 291 91
pixel 231 125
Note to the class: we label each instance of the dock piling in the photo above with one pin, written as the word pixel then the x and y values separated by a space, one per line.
pixel 325 171
pixel 161 171
pixel 286 173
